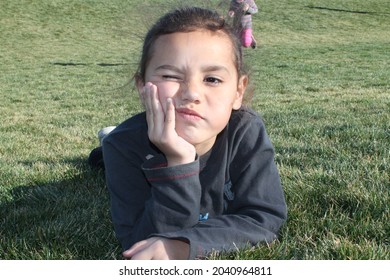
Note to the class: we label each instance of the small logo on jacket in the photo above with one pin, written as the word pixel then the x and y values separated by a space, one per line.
pixel 229 194
pixel 204 217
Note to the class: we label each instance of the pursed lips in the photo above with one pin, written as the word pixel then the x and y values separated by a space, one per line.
pixel 188 113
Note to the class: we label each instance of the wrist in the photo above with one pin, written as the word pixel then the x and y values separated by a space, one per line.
pixel 173 161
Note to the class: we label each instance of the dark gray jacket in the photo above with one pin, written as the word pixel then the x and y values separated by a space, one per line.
pixel 228 198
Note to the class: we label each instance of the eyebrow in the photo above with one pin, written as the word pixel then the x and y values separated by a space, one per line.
pixel 211 68
pixel 168 67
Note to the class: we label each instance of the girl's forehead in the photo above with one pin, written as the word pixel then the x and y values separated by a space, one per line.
pixel 198 38
pixel 198 41
pixel 196 48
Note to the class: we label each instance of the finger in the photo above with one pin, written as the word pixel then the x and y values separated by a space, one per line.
pixel 147 97
pixel 146 254
pixel 156 106
pixel 155 251
pixel 146 251
pixel 169 116
pixel 144 97
pixel 150 107
pixel 141 96
pixel 144 92
pixel 154 113
pixel 138 247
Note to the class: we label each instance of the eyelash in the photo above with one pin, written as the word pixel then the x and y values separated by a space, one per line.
pixel 169 77
pixel 209 80
pixel 213 80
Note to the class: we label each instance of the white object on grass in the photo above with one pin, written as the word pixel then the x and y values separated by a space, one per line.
pixel 104 132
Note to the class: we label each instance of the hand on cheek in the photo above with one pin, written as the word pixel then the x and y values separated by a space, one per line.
pixel 161 127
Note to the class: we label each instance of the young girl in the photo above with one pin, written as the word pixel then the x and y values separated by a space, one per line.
pixel 242 11
pixel 194 173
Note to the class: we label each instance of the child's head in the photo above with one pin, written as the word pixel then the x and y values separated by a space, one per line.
pixel 192 57
pixel 187 20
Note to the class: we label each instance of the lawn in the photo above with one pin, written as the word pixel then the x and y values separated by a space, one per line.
pixel 321 80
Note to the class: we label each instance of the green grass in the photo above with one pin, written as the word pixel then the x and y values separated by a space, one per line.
pixel 321 76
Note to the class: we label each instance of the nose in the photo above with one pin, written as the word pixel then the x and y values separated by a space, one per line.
pixel 190 92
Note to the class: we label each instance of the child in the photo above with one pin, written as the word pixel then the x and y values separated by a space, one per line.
pixel 194 173
pixel 242 11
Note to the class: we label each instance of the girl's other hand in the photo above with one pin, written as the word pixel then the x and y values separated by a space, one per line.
pixel 157 248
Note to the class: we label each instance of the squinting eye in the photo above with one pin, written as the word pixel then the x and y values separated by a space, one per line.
pixel 212 80
pixel 170 78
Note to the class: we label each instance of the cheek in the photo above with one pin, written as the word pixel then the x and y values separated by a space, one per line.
pixel 167 89
pixel 221 103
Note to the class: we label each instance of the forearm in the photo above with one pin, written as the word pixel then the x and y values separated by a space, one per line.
pixel 151 199
pixel 226 233
pixel 173 203
pixel 176 193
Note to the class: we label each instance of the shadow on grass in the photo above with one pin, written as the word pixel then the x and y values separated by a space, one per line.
pixel 59 219
pixel 88 64
pixel 345 11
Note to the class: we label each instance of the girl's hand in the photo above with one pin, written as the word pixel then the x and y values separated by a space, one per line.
pixel 245 7
pixel 157 248
pixel 161 128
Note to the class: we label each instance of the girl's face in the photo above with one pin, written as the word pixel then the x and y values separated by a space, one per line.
pixel 197 71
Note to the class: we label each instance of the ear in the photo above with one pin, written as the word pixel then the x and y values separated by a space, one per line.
pixel 139 83
pixel 241 88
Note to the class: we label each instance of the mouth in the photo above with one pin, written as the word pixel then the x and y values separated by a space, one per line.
pixel 188 114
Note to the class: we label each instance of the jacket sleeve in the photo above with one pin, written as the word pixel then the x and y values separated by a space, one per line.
pixel 147 200
pixel 256 209
pixel 176 192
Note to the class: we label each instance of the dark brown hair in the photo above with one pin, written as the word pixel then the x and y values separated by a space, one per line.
pixel 189 19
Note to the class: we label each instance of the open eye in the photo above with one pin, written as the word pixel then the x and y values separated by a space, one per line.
pixel 213 80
